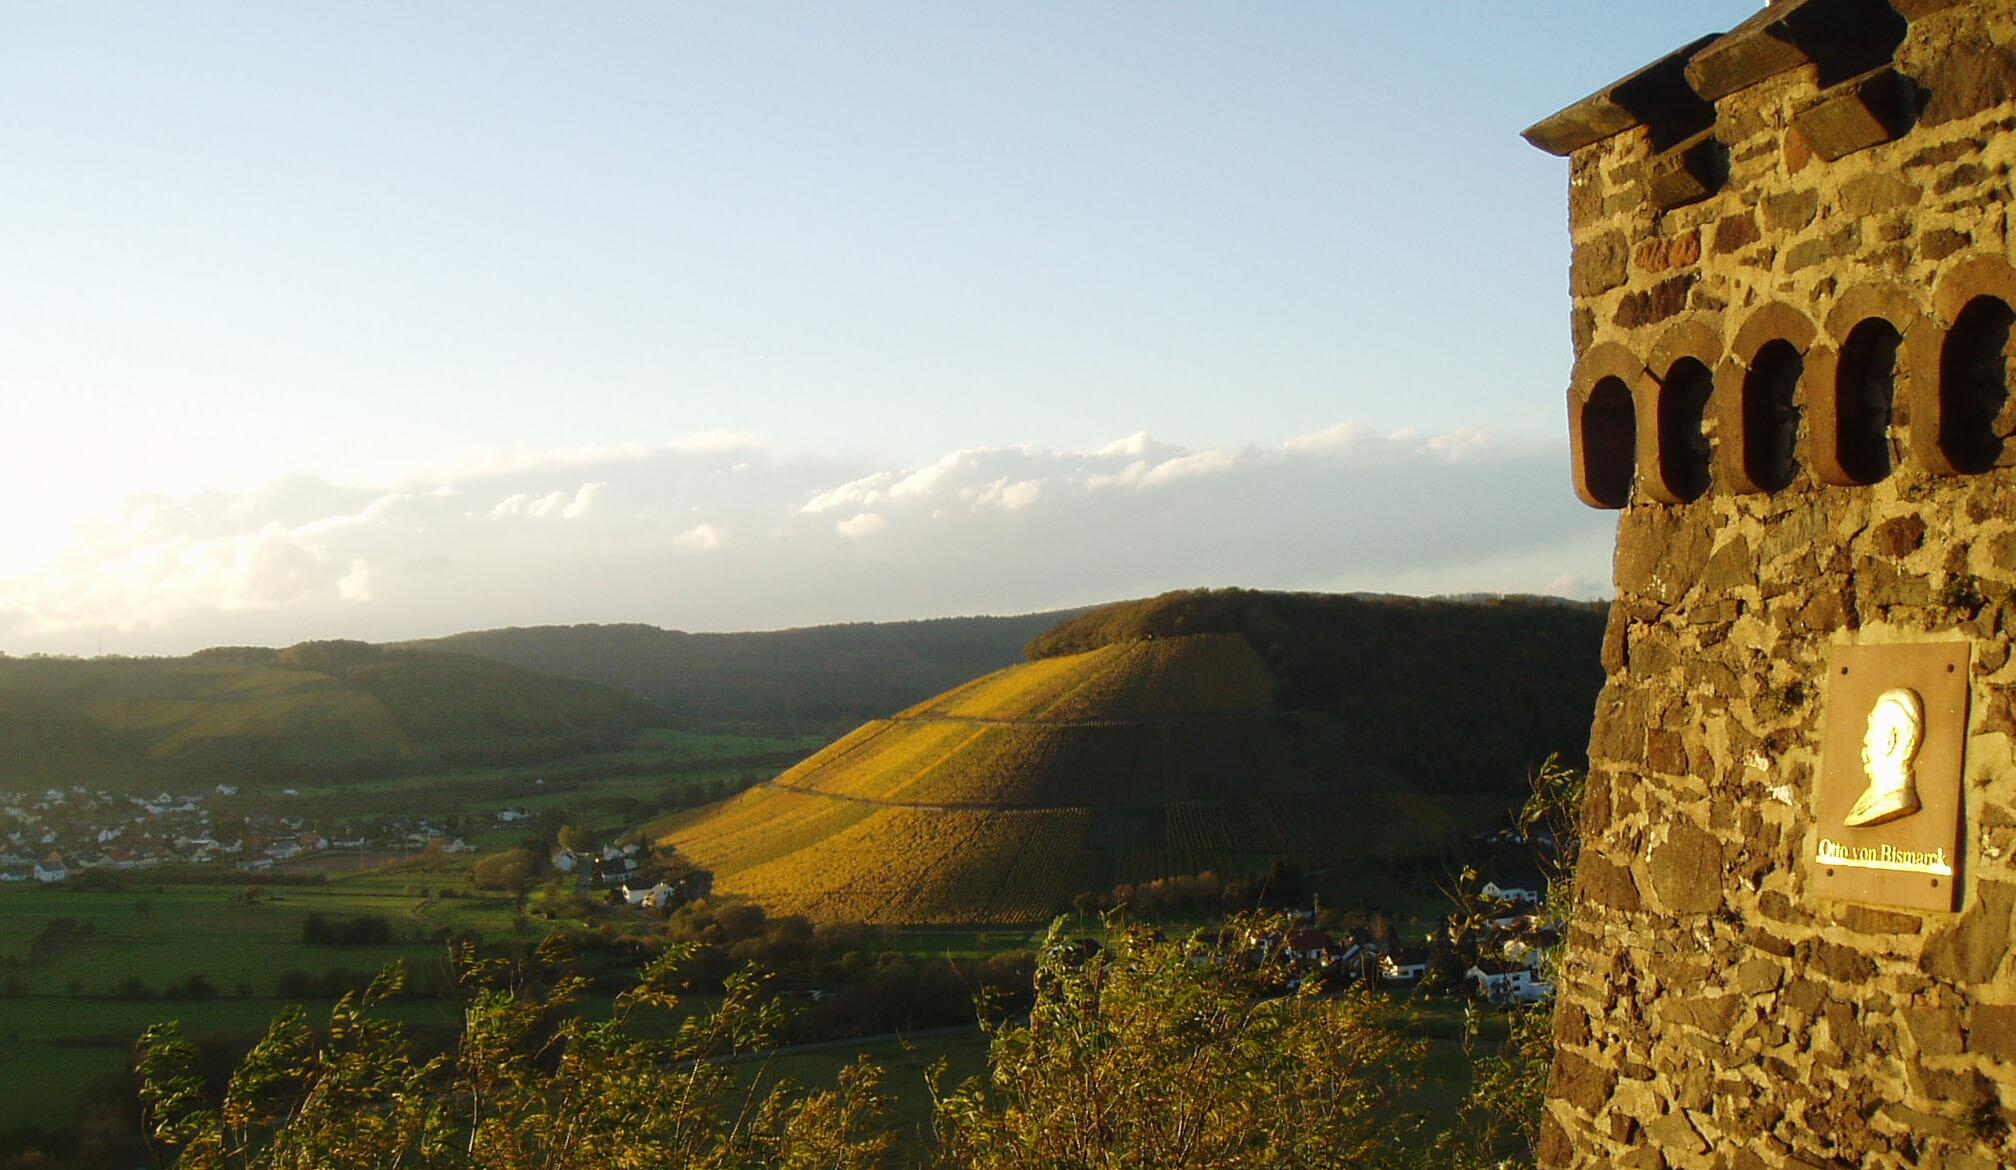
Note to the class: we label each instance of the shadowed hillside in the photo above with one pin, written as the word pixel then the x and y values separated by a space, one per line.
pixel 320 709
pixel 1479 689
pixel 818 678
pixel 1138 743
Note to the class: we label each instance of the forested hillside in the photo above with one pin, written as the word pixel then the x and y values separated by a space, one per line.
pixel 316 710
pixel 1470 689
pixel 817 678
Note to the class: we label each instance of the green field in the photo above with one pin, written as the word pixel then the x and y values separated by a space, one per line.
pixel 76 1024
pixel 71 1020
pixel 609 792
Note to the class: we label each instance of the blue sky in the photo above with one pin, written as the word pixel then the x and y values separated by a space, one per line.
pixel 401 249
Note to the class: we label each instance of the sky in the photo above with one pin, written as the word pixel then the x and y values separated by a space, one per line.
pixel 389 320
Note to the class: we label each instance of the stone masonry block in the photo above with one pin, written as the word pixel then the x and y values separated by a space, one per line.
pixel 1991 1031
pixel 1688 173
pixel 1736 232
pixel 1972 949
pixel 1857 114
pixel 1962 84
pixel 1600 265
pixel 1686 870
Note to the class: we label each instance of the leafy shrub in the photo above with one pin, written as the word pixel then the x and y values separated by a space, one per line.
pixel 329 930
pixel 505 871
pixel 1174 1054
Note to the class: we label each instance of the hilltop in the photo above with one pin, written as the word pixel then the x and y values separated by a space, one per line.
pixel 1194 731
pixel 318 710
pixel 818 678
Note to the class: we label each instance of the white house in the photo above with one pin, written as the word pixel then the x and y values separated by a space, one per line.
pixel 654 898
pixel 1516 894
pixel 565 861
pixel 1517 983
pixel 51 870
pixel 1403 966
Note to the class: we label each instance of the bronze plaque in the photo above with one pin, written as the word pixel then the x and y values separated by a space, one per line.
pixel 1887 806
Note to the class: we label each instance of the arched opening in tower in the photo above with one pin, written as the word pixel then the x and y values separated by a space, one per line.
pixel 1771 416
pixel 1974 385
pixel 1683 446
pixel 1865 396
pixel 1609 442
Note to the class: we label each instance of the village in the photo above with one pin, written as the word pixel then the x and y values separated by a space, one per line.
pixel 65 834
pixel 1498 952
pixel 62 833
pixel 71 834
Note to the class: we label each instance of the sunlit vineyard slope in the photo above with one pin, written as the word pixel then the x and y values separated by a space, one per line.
pixel 1140 755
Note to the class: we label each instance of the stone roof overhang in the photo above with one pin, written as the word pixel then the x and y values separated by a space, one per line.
pixel 1675 95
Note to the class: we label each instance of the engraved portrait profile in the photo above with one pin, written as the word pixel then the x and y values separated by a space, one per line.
pixel 1889 751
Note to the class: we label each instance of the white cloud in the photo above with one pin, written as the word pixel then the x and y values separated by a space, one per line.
pixel 1185 466
pixel 584 500
pixel 1010 497
pixel 614 533
pixel 699 538
pixel 553 505
pixel 355 585
pixel 861 524
pixel 854 493
pixel 1345 436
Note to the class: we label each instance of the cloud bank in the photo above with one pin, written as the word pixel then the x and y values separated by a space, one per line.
pixel 720 531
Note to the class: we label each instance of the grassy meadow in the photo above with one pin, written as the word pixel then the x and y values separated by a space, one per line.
pixel 69 1016
pixel 72 1017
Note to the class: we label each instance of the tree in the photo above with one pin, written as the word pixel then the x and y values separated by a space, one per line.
pixel 530 1084
pixel 508 871
pixel 1173 1054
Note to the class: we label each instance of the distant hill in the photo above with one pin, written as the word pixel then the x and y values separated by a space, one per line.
pixel 316 710
pixel 820 678
pixel 1194 731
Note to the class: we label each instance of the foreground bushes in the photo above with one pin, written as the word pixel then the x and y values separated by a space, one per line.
pixel 1149 1053
pixel 528 1085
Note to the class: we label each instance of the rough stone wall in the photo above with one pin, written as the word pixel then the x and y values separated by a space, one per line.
pixel 1711 1012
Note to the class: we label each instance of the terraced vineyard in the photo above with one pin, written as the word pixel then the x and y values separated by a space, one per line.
pixel 1003 798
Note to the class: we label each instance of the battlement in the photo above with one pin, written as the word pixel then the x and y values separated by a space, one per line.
pixel 1790 254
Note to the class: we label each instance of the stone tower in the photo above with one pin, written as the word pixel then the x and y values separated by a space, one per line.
pixel 1793 301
